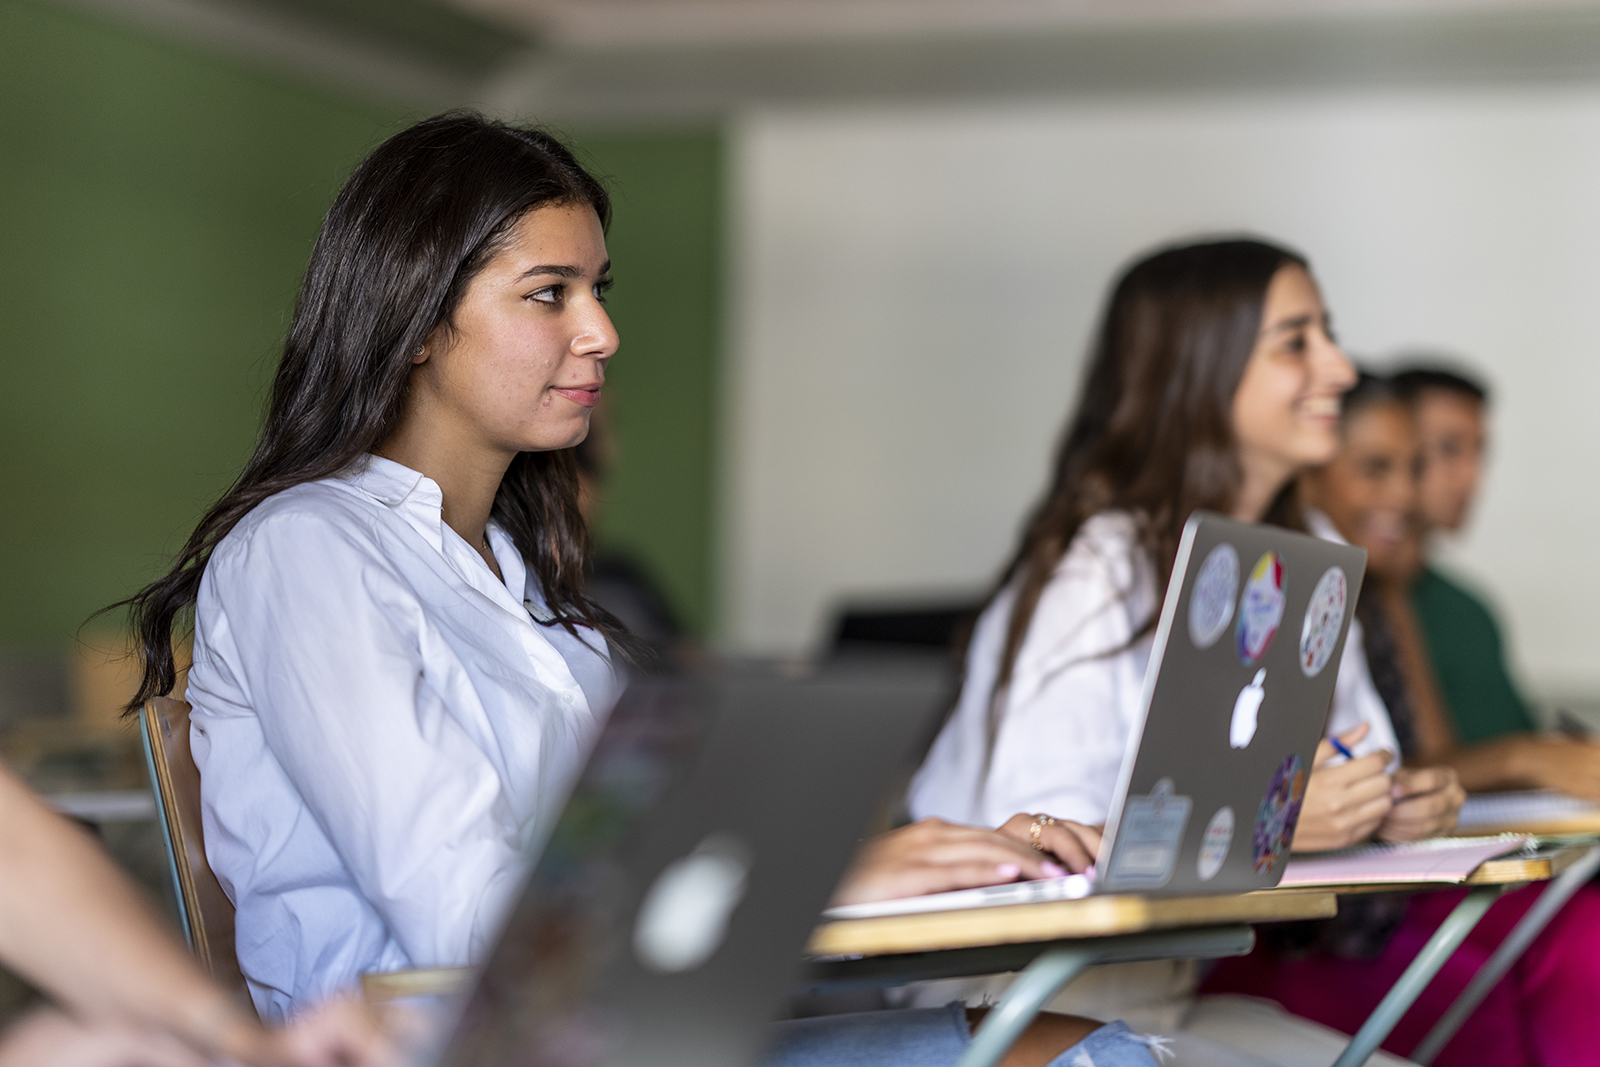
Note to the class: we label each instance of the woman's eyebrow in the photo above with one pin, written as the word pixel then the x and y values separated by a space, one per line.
pixel 561 270
pixel 1299 322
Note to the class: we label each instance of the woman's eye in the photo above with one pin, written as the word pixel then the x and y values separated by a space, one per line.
pixel 601 288
pixel 550 294
pixel 1296 344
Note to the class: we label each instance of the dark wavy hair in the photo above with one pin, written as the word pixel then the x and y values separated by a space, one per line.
pixel 415 223
pixel 1153 431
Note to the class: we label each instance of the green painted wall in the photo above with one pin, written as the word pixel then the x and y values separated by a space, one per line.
pixel 157 205
pixel 664 244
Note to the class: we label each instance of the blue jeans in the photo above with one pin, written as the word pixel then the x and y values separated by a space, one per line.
pixel 928 1037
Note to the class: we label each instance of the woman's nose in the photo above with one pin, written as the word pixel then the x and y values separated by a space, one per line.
pixel 598 338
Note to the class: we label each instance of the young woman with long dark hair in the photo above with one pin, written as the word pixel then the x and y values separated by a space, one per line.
pixel 1212 382
pixel 396 670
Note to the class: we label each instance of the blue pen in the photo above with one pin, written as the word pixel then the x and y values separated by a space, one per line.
pixel 1338 744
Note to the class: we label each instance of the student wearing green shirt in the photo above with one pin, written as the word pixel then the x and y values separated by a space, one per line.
pixel 1497 747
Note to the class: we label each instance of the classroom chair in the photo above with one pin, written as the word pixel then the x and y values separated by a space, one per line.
pixel 204 910
pixel 877 628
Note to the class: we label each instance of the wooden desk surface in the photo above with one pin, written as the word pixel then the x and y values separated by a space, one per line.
pixel 1055 920
pixel 1539 867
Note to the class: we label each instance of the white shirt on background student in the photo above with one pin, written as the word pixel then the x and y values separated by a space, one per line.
pixel 1065 722
pixel 1065 718
pixel 381 728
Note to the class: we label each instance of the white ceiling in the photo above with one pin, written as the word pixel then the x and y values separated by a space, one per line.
pixel 701 60
pixel 607 24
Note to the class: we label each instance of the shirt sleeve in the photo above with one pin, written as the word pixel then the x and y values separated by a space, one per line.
pixel 327 641
pixel 1074 693
pixel 1356 701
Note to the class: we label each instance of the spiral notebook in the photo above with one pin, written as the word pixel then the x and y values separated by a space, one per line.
pixel 1536 811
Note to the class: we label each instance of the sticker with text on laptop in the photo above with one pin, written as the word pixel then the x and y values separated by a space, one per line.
pixel 1279 814
pixel 1216 587
pixel 1148 836
pixel 1261 609
pixel 1324 616
pixel 1215 844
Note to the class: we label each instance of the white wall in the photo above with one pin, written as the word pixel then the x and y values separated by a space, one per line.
pixel 913 289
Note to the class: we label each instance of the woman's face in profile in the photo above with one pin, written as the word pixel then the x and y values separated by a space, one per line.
pixel 1286 410
pixel 521 366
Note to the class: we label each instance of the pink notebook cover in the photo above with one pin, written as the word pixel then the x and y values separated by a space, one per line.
pixel 1442 859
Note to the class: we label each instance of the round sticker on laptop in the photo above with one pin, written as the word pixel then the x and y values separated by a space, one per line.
pixel 1215 844
pixel 1216 587
pixel 1279 814
pixel 1261 608
pixel 1324 616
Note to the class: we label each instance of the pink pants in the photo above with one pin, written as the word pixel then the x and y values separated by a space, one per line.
pixel 1544 1013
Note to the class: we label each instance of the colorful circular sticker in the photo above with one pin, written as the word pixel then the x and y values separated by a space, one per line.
pixel 1261 609
pixel 1279 814
pixel 1216 587
pixel 1324 616
pixel 1215 844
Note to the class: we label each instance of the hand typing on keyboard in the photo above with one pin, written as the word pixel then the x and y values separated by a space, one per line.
pixel 934 856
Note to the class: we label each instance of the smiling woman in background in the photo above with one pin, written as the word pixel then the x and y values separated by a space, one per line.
pixel 1212 382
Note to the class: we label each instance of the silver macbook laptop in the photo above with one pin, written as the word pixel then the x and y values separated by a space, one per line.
pixel 1236 698
pixel 665 921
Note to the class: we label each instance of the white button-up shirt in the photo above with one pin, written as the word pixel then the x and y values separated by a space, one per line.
pixel 382 731
pixel 1062 724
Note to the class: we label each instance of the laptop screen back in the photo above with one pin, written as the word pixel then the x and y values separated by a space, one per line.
pixel 666 918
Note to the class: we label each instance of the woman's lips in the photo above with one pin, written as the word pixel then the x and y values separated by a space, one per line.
pixel 1322 409
pixel 1385 528
pixel 585 397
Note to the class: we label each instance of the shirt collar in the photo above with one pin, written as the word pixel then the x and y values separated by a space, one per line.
pixel 1323 527
pixel 415 498
pixel 392 484
pixel 418 500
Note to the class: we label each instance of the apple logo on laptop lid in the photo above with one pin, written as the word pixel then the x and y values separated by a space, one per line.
pixel 684 917
pixel 1246 711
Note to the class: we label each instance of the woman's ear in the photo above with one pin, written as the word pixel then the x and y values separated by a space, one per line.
pixel 436 341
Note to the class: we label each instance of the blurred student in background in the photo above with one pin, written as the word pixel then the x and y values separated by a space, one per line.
pixel 1212 383
pixel 1336 972
pixel 1368 495
pixel 1494 745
